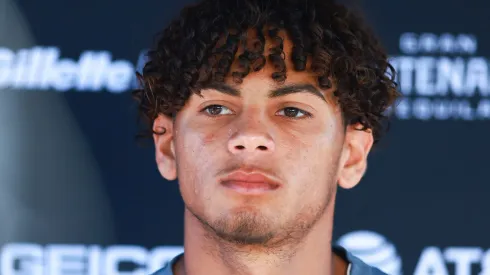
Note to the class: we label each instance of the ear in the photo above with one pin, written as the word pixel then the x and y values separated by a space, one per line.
pixel 353 164
pixel 164 146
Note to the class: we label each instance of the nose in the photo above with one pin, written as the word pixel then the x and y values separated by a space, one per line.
pixel 251 140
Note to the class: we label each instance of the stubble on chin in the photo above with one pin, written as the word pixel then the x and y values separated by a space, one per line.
pixel 248 230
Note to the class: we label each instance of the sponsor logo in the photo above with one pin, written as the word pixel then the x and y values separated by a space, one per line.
pixel 442 78
pixel 373 249
pixel 78 259
pixel 453 260
pixel 43 68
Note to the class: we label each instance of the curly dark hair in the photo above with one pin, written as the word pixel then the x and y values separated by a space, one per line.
pixel 201 45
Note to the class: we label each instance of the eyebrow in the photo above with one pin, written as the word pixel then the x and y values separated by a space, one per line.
pixel 281 91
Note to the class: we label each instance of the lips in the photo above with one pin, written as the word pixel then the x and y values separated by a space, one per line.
pixel 250 183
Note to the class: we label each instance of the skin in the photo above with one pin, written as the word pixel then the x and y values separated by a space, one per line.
pixel 295 137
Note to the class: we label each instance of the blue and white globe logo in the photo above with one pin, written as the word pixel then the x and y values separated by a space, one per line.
pixel 373 249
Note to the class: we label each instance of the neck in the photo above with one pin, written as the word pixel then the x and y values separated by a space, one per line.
pixel 313 255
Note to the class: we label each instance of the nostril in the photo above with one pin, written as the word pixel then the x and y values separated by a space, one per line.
pixel 262 148
pixel 240 147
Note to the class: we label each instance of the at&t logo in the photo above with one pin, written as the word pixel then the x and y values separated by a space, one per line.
pixel 373 249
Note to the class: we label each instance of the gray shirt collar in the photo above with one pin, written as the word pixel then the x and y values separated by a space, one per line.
pixel 356 266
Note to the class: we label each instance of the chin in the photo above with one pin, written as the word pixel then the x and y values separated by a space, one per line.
pixel 242 224
pixel 246 238
pixel 244 228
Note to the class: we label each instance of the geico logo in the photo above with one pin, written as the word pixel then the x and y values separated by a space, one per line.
pixel 412 43
pixel 463 260
pixel 33 259
pixel 442 76
pixel 42 68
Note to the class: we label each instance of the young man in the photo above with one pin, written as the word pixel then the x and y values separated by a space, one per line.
pixel 261 108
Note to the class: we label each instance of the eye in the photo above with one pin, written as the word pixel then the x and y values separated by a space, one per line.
pixel 216 110
pixel 292 112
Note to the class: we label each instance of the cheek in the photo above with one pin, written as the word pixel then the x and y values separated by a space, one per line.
pixel 197 156
pixel 314 156
pixel 207 139
pixel 314 175
pixel 315 138
pixel 191 167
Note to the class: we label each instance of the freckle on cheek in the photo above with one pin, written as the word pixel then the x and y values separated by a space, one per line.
pixel 208 138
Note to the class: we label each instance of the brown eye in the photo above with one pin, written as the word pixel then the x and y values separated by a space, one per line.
pixel 216 110
pixel 292 112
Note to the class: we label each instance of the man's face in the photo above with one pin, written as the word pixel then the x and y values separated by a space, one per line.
pixel 258 162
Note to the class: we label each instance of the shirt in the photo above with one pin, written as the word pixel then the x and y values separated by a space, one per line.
pixel 356 266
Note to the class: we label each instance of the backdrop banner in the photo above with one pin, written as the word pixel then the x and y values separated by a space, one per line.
pixel 79 196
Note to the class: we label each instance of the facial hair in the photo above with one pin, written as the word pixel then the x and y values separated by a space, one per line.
pixel 251 228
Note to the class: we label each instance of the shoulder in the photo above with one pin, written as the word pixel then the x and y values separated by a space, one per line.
pixel 357 266
pixel 167 269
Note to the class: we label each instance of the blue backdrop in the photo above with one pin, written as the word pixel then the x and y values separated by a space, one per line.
pixel 79 196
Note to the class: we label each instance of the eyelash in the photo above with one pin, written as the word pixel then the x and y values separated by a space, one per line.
pixel 305 113
pixel 204 110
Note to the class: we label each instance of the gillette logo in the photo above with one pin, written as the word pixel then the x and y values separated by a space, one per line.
pixel 43 68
